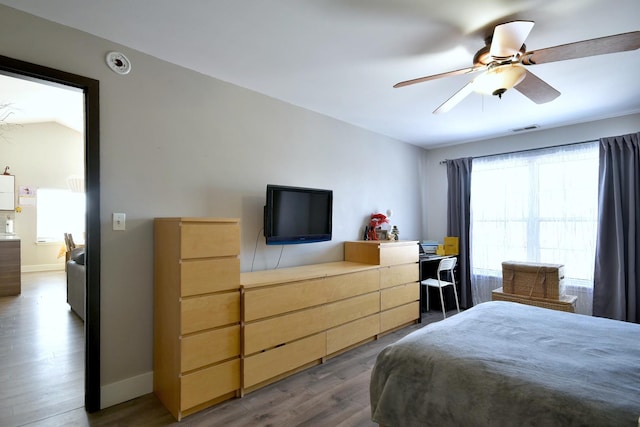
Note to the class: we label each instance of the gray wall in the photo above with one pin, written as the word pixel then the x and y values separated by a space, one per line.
pixel 177 143
pixel 434 175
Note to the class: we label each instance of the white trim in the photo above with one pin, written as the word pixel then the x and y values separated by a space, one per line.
pixel 49 243
pixel 41 267
pixel 122 391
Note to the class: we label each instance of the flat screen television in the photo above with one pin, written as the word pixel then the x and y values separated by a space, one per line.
pixel 297 215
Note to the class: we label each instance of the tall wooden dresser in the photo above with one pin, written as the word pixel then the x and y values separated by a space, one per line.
pixel 197 312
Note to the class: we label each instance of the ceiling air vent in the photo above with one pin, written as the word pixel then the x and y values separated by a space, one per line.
pixel 530 127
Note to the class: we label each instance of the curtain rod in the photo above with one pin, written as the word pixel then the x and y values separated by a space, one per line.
pixel 443 162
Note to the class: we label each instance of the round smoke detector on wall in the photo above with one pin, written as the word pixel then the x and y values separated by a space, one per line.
pixel 118 62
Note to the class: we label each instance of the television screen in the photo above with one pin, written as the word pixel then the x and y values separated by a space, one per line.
pixel 297 215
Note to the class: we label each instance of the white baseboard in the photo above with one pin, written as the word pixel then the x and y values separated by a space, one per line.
pixel 121 391
pixel 41 267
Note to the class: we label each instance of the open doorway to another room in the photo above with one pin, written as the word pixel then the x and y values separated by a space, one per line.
pixel 42 146
pixel 49 143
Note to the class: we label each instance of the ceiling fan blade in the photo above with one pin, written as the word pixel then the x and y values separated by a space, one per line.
pixel 455 99
pixel 600 46
pixel 536 89
pixel 438 76
pixel 508 38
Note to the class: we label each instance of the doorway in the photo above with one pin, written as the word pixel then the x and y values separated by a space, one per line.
pixel 90 88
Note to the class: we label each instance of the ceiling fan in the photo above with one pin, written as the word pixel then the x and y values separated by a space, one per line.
pixel 504 58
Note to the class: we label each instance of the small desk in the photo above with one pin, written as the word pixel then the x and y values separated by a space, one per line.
pixel 429 268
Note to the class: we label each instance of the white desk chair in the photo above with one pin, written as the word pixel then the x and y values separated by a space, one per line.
pixel 446 264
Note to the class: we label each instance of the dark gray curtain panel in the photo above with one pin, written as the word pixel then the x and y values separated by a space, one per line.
pixel 616 289
pixel 459 220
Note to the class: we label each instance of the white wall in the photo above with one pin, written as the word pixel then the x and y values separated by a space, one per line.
pixel 177 143
pixel 434 174
pixel 40 155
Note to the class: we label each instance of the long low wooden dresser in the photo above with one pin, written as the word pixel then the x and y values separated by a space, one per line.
pixel 297 317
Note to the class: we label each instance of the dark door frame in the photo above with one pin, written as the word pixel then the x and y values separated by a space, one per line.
pixel 90 87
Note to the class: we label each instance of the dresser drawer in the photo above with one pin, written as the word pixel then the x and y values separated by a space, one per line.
pixel 265 334
pixel 351 309
pixel 352 333
pixel 209 239
pixel 352 284
pixel 209 275
pixel 398 254
pixel 263 366
pixel 398 316
pixel 398 275
pixel 381 252
pixel 209 347
pixel 207 384
pixel 209 311
pixel 399 295
pixel 260 303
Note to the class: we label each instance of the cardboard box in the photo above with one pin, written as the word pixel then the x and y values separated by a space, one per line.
pixel 451 246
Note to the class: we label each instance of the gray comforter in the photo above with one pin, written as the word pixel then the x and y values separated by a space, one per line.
pixel 507 364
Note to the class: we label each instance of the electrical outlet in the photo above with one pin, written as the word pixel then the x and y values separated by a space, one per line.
pixel 119 221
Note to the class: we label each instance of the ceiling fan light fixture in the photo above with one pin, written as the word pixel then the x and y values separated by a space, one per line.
pixel 497 80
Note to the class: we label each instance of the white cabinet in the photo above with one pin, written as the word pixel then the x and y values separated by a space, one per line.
pixel 7 192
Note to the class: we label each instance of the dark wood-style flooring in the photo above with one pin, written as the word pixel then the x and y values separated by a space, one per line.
pixel 41 352
pixel 42 369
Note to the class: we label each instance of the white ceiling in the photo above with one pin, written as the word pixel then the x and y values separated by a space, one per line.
pixel 342 57
pixel 27 101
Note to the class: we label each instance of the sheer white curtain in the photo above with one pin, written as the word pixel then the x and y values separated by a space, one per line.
pixel 535 206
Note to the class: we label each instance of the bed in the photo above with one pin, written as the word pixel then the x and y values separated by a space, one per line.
pixel 507 364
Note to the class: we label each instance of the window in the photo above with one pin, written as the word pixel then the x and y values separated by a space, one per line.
pixel 59 212
pixel 535 206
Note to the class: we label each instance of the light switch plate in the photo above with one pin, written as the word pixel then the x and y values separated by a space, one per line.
pixel 119 221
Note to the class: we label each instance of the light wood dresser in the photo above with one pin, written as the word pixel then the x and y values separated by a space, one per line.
pixel 297 317
pixel 197 312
